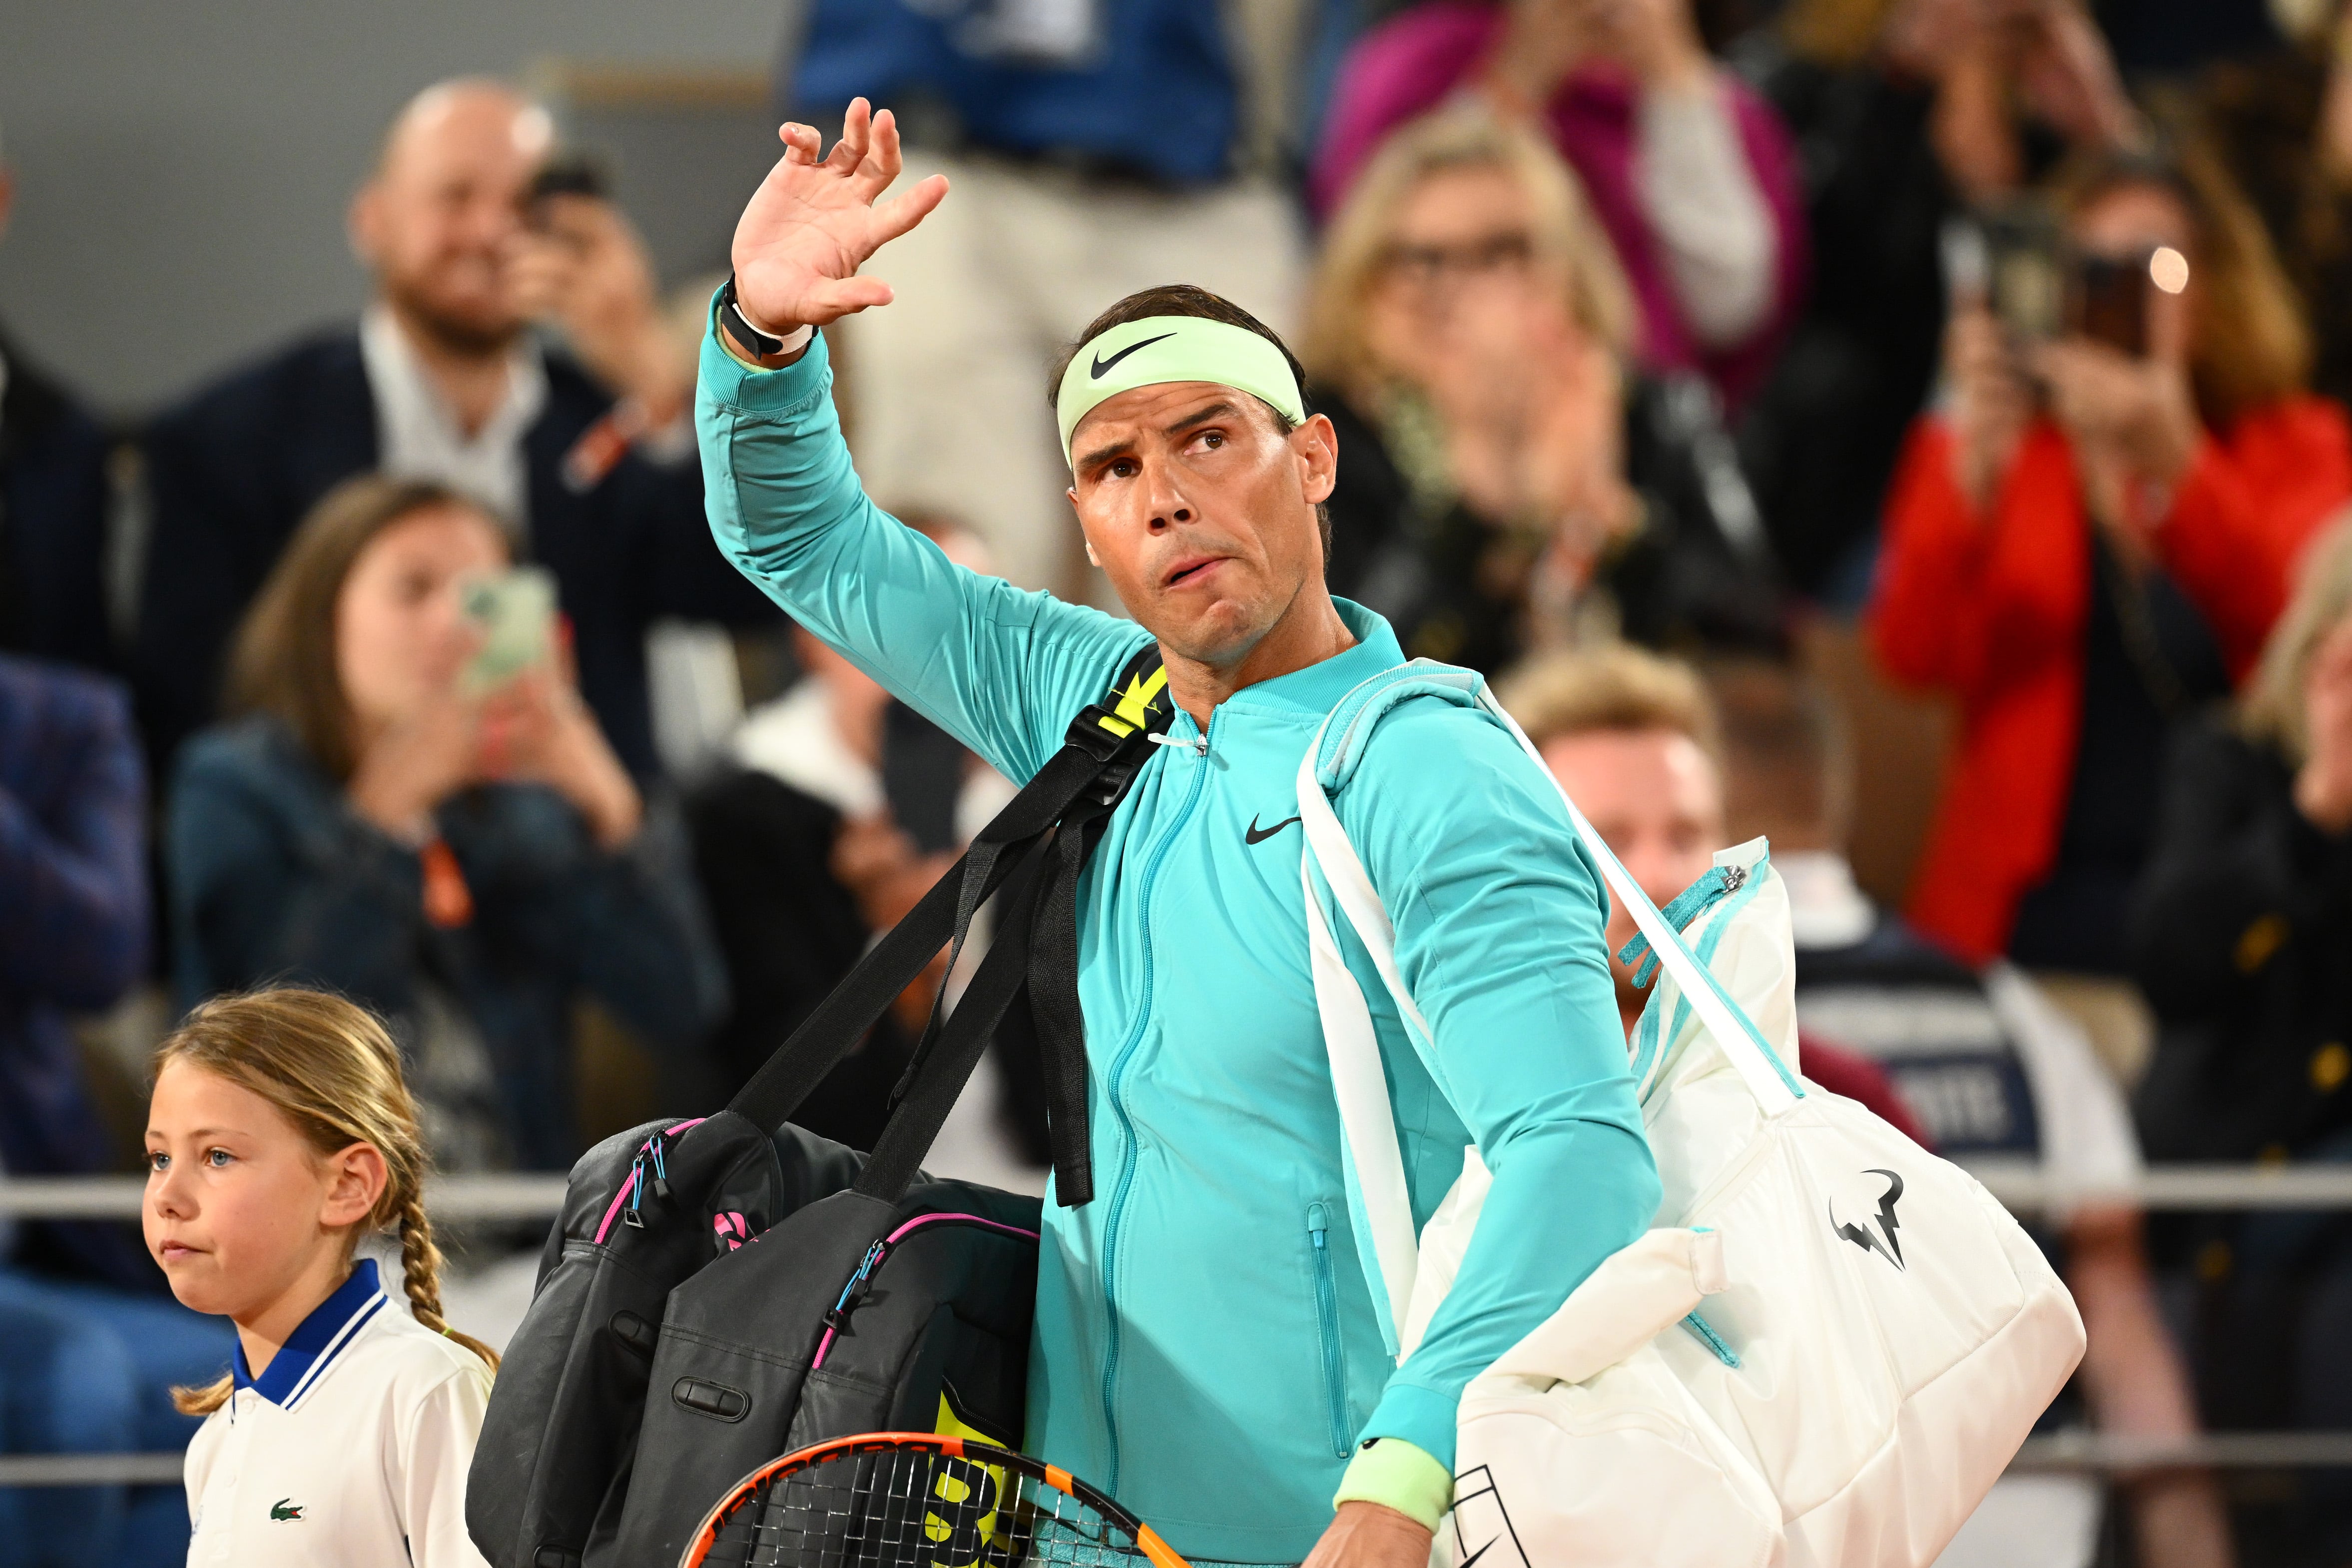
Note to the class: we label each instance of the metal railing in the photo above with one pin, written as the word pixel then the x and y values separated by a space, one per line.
pixel 456 1198
pixel 2022 1188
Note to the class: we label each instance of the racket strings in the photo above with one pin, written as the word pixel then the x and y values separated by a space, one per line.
pixel 914 1508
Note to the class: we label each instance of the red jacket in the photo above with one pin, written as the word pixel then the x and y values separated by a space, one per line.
pixel 1992 610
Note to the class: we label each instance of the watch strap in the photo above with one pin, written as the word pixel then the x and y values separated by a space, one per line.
pixel 755 343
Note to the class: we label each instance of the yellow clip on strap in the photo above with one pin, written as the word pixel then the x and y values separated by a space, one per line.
pixel 1135 704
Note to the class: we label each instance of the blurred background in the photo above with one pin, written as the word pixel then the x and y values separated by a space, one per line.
pixel 1909 430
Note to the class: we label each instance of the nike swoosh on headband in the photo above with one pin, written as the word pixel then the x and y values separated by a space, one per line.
pixel 1101 366
pixel 1186 349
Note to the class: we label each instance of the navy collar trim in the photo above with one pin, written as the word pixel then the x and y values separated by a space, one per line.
pixel 323 1336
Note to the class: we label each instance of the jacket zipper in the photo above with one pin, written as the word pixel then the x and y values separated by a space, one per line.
pixel 1127 1126
pixel 1326 1320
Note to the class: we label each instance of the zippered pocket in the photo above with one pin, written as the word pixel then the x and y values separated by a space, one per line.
pixel 1326 1320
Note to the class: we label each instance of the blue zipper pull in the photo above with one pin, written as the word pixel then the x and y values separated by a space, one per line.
pixel 661 1170
pixel 839 1318
pixel 629 1215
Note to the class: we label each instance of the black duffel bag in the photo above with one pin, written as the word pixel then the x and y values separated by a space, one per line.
pixel 714 1295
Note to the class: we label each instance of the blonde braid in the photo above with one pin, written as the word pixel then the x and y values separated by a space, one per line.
pixel 420 1267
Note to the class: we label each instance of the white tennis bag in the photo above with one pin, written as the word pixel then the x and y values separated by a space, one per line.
pixel 1830 1349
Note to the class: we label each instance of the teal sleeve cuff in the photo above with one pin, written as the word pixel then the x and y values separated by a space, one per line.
pixel 1421 1415
pixel 1396 1474
pixel 729 382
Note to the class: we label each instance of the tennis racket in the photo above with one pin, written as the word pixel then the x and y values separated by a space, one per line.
pixel 918 1500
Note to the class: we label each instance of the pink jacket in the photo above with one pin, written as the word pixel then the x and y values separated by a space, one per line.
pixel 1409 65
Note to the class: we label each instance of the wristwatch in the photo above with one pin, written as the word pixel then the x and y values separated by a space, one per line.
pixel 754 343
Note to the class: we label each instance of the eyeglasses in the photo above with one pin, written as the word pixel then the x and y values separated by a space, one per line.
pixel 1425 266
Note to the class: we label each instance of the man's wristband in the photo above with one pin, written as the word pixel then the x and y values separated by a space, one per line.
pixel 1399 1475
pixel 748 341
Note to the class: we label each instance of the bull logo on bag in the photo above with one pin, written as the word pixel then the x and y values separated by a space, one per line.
pixel 1883 1239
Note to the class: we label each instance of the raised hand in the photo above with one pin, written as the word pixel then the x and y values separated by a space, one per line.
pixel 1991 403
pixel 411 766
pixel 812 223
pixel 536 729
pixel 582 266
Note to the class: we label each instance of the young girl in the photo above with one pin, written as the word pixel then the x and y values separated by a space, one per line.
pixel 280 1134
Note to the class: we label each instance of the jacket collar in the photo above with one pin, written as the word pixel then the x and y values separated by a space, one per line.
pixel 1318 688
pixel 314 1345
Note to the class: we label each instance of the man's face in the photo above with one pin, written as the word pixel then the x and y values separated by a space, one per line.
pixel 442 215
pixel 1201 511
pixel 1656 799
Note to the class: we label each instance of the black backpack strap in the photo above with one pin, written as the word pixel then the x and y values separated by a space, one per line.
pixel 941 1070
pixel 1116 732
pixel 1141 706
pixel 1106 746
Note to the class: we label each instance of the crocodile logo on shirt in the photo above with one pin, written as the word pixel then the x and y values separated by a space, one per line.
pixel 284 1507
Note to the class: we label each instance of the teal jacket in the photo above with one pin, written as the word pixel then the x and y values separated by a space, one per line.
pixel 1206 1346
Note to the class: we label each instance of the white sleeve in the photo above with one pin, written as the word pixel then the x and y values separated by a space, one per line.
pixel 1702 201
pixel 2089 1150
pixel 436 1450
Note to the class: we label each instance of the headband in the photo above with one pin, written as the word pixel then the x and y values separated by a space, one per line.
pixel 1160 348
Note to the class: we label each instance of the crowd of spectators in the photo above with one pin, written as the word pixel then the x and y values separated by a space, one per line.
pixel 1668 343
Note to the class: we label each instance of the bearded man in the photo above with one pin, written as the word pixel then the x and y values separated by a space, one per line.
pixel 585 455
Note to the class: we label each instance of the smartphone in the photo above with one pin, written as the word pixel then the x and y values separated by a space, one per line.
pixel 2106 300
pixel 566 174
pixel 515 613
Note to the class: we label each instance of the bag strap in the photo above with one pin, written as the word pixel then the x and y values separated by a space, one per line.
pixel 940 1071
pixel 1367 1121
pixel 1103 750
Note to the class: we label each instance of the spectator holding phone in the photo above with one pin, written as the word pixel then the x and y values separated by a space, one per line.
pixel 1909 112
pixel 2087 539
pixel 586 454
pixel 414 807
pixel 1511 480
pixel 1689 172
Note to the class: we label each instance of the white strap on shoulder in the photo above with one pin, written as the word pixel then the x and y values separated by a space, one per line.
pixel 1366 1118
pixel 1770 1082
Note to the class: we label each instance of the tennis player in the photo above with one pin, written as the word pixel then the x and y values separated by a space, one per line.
pixel 278 1135
pixel 1206 1348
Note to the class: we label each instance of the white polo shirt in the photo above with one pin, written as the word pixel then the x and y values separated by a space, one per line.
pixel 350 1449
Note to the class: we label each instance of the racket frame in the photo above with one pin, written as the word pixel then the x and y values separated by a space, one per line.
pixel 1147 1540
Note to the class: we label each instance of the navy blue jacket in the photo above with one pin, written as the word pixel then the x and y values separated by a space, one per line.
pixel 235 468
pixel 274 878
pixel 1155 94
pixel 73 923
pixel 52 522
